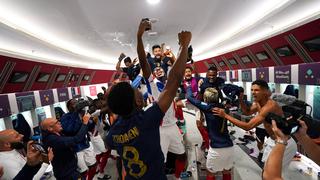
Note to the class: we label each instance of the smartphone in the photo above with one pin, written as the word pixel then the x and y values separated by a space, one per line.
pixel 39 148
pixel 147 19
pixel 121 56
pixel 294 129
pixel 44 153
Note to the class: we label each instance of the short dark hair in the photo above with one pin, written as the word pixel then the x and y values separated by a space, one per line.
pixel 212 68
pixel 189 67
pixel 155 47
pixel 127 59
pixel 262 83
pixel 100 95
pixel 121 99
pixel 69 104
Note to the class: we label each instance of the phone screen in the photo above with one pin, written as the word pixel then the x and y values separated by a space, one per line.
pixel 294 129
pixel 38 147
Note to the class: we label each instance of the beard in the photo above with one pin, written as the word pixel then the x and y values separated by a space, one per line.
pixel 162 78
pixel 17 145
pixel 212 80
pixel 157 58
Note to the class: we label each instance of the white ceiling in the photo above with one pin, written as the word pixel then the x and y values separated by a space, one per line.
pixel 92 33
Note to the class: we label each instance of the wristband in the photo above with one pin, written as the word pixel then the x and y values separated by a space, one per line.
pixel 278 141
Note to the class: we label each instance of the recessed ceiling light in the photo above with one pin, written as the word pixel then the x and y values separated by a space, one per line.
pixel 153 1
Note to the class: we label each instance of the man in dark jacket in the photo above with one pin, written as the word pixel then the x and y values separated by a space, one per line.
pixel 71 124
pixel 65 159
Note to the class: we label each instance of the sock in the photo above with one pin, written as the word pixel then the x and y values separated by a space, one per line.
pixel 260 156
pixel 100 175
pixel 84 175
pixel 226 177
pixel 205 136
pixel 210 177
pixel 180 164
pixel 98 158
pixel 92 171
pixel 104 160
pixel 119 166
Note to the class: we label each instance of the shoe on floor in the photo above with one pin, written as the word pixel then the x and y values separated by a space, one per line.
pixel 105 177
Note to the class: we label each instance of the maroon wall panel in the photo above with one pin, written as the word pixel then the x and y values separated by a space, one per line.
pixel 201 67
pixel 219 60
pixel 45 68
pixel 21 66
pixel 229 56
pixel 101 76
pixel 307 32
pixel 241 53
pixel 3 60
pixel 302 33
pixel 256 48
pixel 279 41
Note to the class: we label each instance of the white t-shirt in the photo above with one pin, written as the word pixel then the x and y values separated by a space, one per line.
pixel 12 162
pixel 169 117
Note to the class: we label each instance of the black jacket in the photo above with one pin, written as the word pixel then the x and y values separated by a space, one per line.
pixel 65 160
pixel 27 172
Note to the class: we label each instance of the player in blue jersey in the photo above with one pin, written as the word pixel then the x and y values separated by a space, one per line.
pixel 220 154
pixel 135 134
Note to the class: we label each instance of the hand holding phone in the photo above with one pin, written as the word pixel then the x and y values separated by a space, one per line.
pixel 39 148
pixel 48 157
pixel 148 26
pixel 122 55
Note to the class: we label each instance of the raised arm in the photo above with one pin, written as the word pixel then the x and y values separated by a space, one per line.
pixel 144 24
pixel 118 68
pixel 172 57
pixel 310 147
pixel 254 122
pixel 176 74
pixel 246 110
pixel 65 141
pixel 34 161
pixel 201 105
pixel 273 166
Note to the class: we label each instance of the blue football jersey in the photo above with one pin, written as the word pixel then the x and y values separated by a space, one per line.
pixel 137 141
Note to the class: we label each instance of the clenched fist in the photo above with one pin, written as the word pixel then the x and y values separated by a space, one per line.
pixel 184 38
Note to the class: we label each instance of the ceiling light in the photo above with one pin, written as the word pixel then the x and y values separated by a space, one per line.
pixel 282 26
pixel 18 52
pixel 27 26
pixel 153 1
pixel 255 16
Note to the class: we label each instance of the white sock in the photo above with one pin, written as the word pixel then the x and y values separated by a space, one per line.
pixel 100 175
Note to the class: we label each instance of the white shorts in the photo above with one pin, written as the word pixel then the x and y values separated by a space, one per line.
pixel 171 140
pixel 86 158
pixel 98 144
pixel 289 153
pixel 220 159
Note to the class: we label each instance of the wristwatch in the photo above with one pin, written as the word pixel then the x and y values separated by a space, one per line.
pixel 280 141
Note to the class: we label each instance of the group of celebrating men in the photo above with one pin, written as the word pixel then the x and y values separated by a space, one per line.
pixel 143 123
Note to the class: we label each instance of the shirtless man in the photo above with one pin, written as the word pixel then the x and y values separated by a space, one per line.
pixel 263 106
